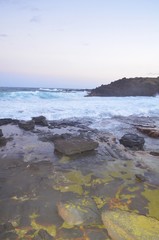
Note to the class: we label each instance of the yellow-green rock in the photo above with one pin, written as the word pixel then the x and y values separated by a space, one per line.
pixel 123 225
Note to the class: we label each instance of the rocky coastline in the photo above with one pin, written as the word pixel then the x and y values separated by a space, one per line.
pixel 124 87
pixel 65 180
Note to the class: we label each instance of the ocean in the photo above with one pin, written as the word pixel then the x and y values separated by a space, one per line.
pixel 56 104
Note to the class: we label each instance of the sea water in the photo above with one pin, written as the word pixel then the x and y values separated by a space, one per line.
pixel 56 104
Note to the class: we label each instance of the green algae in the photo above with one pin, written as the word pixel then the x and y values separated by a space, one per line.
pixel 73 181
pixel 123 225
pixel 66 225
pixel 100 201
pixel 65 159
pixel 152 195
pixel 23 198
pixel 51 229
pixel 70 188
pixel 133 189
pixel 117 170
pixel 21 232
pixel 78 178
pixel 102 180
pixel 15 222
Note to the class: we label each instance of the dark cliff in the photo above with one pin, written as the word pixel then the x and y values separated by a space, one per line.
pixel 128 87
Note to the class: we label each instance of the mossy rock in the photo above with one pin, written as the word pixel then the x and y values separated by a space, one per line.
pixel 123 225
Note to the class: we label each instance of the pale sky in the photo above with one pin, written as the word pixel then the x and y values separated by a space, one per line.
pixel 83 44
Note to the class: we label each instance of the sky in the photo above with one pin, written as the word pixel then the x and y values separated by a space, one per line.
pixel 77 44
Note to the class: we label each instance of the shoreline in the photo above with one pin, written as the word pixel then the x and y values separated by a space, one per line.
pixel 36 181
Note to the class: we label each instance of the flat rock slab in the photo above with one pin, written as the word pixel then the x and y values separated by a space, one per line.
pixel 74 145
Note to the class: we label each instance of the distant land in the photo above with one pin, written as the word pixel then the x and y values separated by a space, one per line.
pixel 139 86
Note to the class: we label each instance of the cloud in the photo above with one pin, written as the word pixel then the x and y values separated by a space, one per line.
pixel 2 35
pixel 35 19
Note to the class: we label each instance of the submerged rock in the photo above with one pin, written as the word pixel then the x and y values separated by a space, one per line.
pixel 132 141
pixel 43 235
pixel 7 232
pixel 74 145
pixel 27 125
pixel 6 227
pixel 40 120
pixel 79 212
pixel 122 225
pixel 9 236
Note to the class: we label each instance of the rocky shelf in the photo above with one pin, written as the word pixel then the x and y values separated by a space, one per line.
pixel 65 180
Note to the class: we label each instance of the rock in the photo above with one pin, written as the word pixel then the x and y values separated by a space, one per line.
pixel 122 225
pixel 43 235
pixel 5 121
pixel 27 125
pixel 153 153
pixel 152 177
pixel 128 87
pixel 3 141
pixel 151 132
pixel 7 232
pixel 132 141
pixel 79 212
pixel 9 236
pixel 41 120
pixel 74 145
pixel 1 133
pixel 6 227
pixel 140 178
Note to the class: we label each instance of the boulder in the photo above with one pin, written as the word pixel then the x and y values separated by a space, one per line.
pixel 74 145
pixel 123 225
pixel 79 212
pixel 40 120
pixel 132 141
pixel 27 125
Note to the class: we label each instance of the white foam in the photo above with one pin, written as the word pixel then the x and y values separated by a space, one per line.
pixel 61 105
